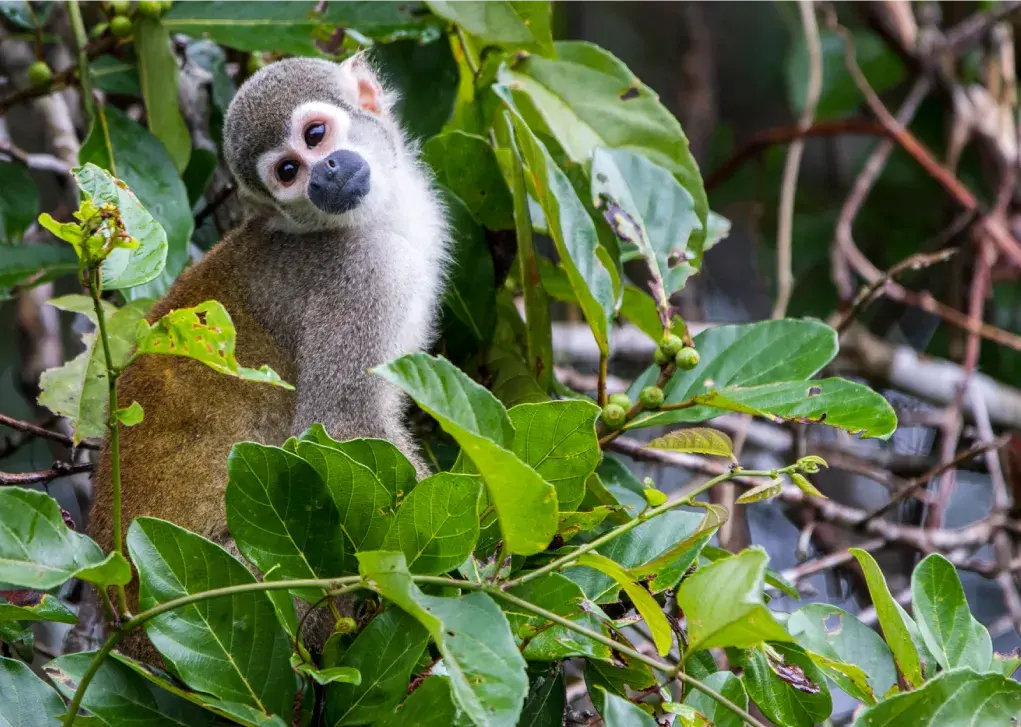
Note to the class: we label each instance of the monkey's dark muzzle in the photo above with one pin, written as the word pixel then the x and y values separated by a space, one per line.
pixel 339 182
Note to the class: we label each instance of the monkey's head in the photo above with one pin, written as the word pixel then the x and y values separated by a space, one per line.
pixel 314 140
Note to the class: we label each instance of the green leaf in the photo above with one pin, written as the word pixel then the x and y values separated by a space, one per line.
pixel 119 695
pixel 892 619
pixel 730 687
pixel 437 526
pixel 571 229
pixel 652 215
pixel 331 675
pixel 471 288
pixel 465 164
pixel 79 389
pixel 365 506
pixel 958 698
pixel 765 491
pixel 619 712
pixel 523 24
pixel 126 268
pixel 430 705
pixel 643 600
pixel 131 415
pixel 544 706
pixel 112 75
pixel 157 71
pixel 294 26
pixel 697 440
pixel 384 653
pixel 723 604
pixel 543 640
pixel 129 152
pixel 852 679
pixel 19 638
pixel 773 578
pixel 25 699
pixel 790 690
pixel 19 202
pixel 1005 664
pixel 619 484
pixel 686 549
pixel 587 98
pixel 282 516
pixel 744 355
pixel 393 470
pixel 205 333
pixel 719 230
pixel 830 632
pixel 571 524
pixel 526 506
pixel 24 15
pixel 558 440
pixel 29 265
pixel 642 545
pixel 39 551
pixel 952 634
pixel 487 674
pixel 48 608
pixel 425 77
pixel 212 649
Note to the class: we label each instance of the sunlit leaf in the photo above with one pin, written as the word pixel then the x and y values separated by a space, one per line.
pixel 696 440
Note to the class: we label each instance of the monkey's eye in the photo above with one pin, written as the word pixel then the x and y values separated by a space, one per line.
pixel 287 170
pixel 314 133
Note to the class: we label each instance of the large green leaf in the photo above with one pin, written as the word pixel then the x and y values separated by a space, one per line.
pixel 953 635
pixel 523 24
pixel 619 712
pixel 723 604
pixel 157 71
pixel 39 551
pixel 571 229
pixel 28 265
pixel 471 287
pixel 129 152
pixel 642 545
pixel 25 699
pixel 393 470
pixel 525 505
pixel 892 619
pixel 206 333
pixel 730 687
pixel 587 98
pixel 430 705
pixel 544 706
pixel 47 608
pixel 558 440
pixel 828 631
pixel 684 551
pixel 384 652
pixel 958 698
pixel 437 526
pixel 465 164
pixel 425 77
pixel 790 690
pixel 231 647
pixel 487 673
pixel 19 202
pixel 544 640
pixel 282 516
pixel 652 215
pixel 119 695
pixel 291 27
pixel 79 389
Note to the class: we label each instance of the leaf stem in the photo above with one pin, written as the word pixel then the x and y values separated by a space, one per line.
pixel 81 40
pixel 95 289
pixel 566 560
pixel 603 363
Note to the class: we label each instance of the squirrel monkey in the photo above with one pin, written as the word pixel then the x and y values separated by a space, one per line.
pixel 337 267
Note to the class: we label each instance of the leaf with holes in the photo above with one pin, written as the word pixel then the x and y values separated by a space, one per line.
pixel 787 686
pixel 204 333
pixel 730 687
pixel 696 440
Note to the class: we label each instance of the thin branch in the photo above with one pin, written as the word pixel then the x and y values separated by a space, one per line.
pixel 38 162
pixel 789 185
pixel 59 469
pixel 36 431
pixel 61 80
pixel 833 560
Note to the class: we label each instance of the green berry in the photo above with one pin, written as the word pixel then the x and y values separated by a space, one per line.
pixel 150 8
pixel 651 397
pixel 670 345
pixel 614 416
pixel 621 400
pixel 120 26
pixel 687 358
pixel 119 7
pixel 661 358
pixel 39 73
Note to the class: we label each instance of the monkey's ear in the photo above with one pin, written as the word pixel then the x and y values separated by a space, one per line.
pixel 367 91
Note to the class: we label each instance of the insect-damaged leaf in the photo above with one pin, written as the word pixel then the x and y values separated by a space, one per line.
pixel 204 333
pixel 787 686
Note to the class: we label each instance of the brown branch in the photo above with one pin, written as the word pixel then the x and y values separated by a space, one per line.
pixel 37 431
pixel 59 469
pixel 826 562
pixel 60 80
pixel 38 162
pixel 969 31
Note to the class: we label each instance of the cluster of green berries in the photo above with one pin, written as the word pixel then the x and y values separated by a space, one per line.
pixel 672 348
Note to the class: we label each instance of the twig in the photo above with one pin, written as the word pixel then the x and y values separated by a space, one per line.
pixel 39 162
pixel 789 185
pixel 59 469
pixel 36 431
pixel 214 204
pixel 60 80
pixel 970 30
